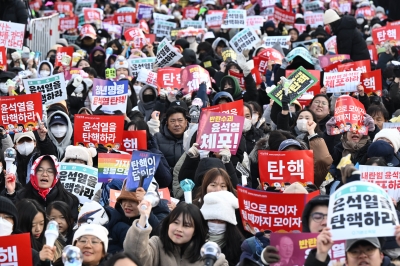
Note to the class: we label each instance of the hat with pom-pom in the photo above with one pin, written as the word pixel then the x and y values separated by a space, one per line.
pixel 220 205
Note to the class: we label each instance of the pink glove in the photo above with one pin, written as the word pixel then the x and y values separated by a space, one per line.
pixel 330 125
pixel 369 122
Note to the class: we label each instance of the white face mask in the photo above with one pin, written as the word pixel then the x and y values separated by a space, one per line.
pixel 137 89
pixel 78 89
pixel 191 39
pixel 3 88
pixel 216 229
pixel 254 119
pixel 302 125
pixel 247 125
pixel 59 131
pixel 360 21
pixel 25 148
pixel 44 73
pixel 6 227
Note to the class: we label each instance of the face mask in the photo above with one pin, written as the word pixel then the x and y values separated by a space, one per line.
pixel 176 14
pixel 25 148
pixel 379 15
pixel 360 21
pixel 5 227
pixel 148 98
pixel 137 89
pixel 44 73
pixel 99 58
pixel 59 131
pixel 216 229
pixel 116 52
pixel 254 119
pixel 388 82
pixel 230 91
pixel 191 39
pixel 3 87
pixel 302 125
pixel 247 125
pixel 78 89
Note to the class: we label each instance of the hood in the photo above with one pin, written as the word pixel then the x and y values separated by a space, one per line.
pixel 221 94
pixel 237 89
pixel 205 165
pixel 145 87
pixel 33 178
pixel 40 64
pixel 316 201
pixel 97 48
pixel 215 43
pixel 67 138
pixel 346 22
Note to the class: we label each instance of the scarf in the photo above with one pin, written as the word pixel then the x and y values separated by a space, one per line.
pixel 43 192
pixel 219 239
pixel 352 147
pixel 300 134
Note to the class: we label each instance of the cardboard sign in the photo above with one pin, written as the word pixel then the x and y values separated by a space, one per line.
pixel 16 250
pixel 3 59
pixel 111 95
pixel 143 164
pixel 138 63
pixel 286 166
pixel 342 81
pixel 244 39
pixel 255 21
pixel 284 16
pixel 197 24
pixel 91 130
pixel 380 35
pixel 361 205
pixel 367 11
pixel 62 51
pixel 68 23
pixel 113 166
pixel 261 210
pixel 372 82
pixel 282 40
pixel 327 60
pixel 349 116
pixel 52 88
pixel 147 77
pixel 192 76
pixel 12 35
pixel 64 7
pixel 363 66
pixel 144 11
pixel 190 12
pixel 233 108
pixel 219 130
pixel 331 44
pixel 314 19
pixel 163 28
pixel 18 113
pixel 302 80
pixel 166 54
pixel 273 55
pixel 235 19
pixel 121 18
pixel 134 140
pixel 133 33
pixel 215 20
pixel 228 54
pixel 294 248
pixel 169 78
pixel 81 180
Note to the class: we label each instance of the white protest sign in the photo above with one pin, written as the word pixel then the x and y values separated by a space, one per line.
pixel 312 6
pixel 12 34
pixel 80 4
pixel 359 210
pixel 331 44
pixel 138 63
pixel 147 77
pixel 163 28
pixel 244 39
pixel 267 3
pixel 167 55
pixel 345 7
pixel 314 19
pixel 158 17
pixel 391 125
pixel 215 19
pixel 197 24
pixel 235 19
pixel 53 88
pixel 282 40
pixel 342 81
pixel 255 21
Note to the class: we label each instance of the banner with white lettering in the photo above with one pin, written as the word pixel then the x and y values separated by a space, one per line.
pixel 111 95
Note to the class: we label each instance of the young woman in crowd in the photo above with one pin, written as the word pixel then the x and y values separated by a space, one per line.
pixel 61 213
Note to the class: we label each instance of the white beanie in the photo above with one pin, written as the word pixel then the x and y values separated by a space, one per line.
pixel 92 230
pixel 220 205
pixel 330 16
pixel 391 134
pixel 81 153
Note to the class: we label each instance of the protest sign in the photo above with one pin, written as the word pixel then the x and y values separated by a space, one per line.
pixel 255 21
pixel 16 249
pixel 331 44
pixel 18 113
pixel 144 11
pixel 111 95
pixel 345 7
pixel 373 53
pixel 63 51
pixel 284 16
pixel 166 54
pixel 307 96
pixel 382 34
pixel 164 194
pixel 133 33
pixel 163 28
pixel 192 76
pixel 367 11
pixel 143 164
pixel 113 166
pixel 391 125
pixel 313 6
pixel 266 3
pixel 182 33
pixel 159 16
pixel 342 81
pixel 235 19
pixel 80 4
pixel 363 66
pixel 35 5
pixel 197 24
pixel 114 194
pixel 286 166
pixel 3 59
pixel 215 20
pixel 138 63
pixel 283 211
pixel 169 78
pixel 147 77
pixel 80 180
pixel 68 23
pixel 274 56
pixel 282 40
pixel 301 81
pixel 261 63
pixel 228 54
pixel 327 60
pixel 64 7
pixel 71 39
pixel 52 88
pixel 219 130
pixel 190 12
pixel 300 27
pixel 359 210
pixel 73 70
pixel 372 82
pixel 134 140
pixel 93 15
pixel 239 77
pixel 349 116
pixel 91 130
pixel 12 35
pixel 122 18
pixel 301 244
pixel 233 108
pixel 244 39
pixel 332 68
pixel 314 19
pixel 306 43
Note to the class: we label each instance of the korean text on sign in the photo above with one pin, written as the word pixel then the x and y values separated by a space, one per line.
pixel 233 108
pixel 192 76
pixel 139 63
pixel 134 140
pixel 169 78
pixel 349 116
pixel 235 18
pixel 245 39
pixel 282 40
pixel 113 166
pixel 111 95
pixel 342 81
pixel 12 34
pixel 143 165
pixel 52 88
pixel 15 250
pixel 166 54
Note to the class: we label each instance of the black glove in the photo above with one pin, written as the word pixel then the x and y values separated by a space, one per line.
pixel 98 111
pixel 271 255
pixel 179 94
pixel 285 102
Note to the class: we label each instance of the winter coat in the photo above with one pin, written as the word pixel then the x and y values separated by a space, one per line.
pixel 61 146
pixel 147 108
pixel 251 137
pixel 117 230
pixel 150 252
pixel 250 94
pixel 163 174
pixel 13 11
pixel 394 93
pixel 171 147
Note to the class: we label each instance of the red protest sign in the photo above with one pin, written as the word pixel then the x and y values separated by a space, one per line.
pixel 18 113
pixel 301 27
pixel 133 33
pixel 363 66
pixel 169 77
pixel 121 18
pixel 261 62
pixel 367 11
pixel 273 55
pixel 383 34
pixel 192 76
pixel 286 166
pixel 150 38
pixel 239 77
pixel 349 116
pixel 219 130
pixel 283 211
pixel 332 68
pixel 372 82
pixel 284 16
pixel 92 130
pixel 16 250
pixel 134 140
pixel 233 108
pixel 68 23
pixel 373 53
pixel 3 59
pixel 91 15
pixel 164 194
pixel 63 7
pixel 61 51
pixel 190 12
pixel 35 5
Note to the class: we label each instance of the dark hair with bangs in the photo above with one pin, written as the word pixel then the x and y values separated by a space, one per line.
pixel 192 215
pixel 65 211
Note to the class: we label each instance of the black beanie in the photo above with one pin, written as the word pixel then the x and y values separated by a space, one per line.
pixel 8 207
pixel 320 200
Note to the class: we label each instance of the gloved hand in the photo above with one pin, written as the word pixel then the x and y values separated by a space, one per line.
pixel 330 125
pixel 241 60
pixel 77 81
pixel 163 94
pixel 98 111
pixel 285 102
pixel 225 155
pixel 347 171
pixel 270 255
pixel 193 152
pixel 194 113
pixel 369 122
pixel 179 94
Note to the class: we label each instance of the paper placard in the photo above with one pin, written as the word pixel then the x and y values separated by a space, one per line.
pixel 111 95
pixel 12 34
pixel 138 63
pixel 245 39
pixel 52 88
pixel 342 81
pixel 235 19
pixel 166 54
pixel 282 40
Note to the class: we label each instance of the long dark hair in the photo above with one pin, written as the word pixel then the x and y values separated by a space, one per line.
pixel 65 211
pixel 192 215
pixel 306 109
pixel 233 239
pixel 117 257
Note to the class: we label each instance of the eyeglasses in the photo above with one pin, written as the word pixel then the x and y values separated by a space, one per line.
pixel 41 171
pixel 369 251
pixel 93 242
pixel 318 217
pixel 317 102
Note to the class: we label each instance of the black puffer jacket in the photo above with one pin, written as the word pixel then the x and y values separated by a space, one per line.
pixel 14 11
pixel 171 147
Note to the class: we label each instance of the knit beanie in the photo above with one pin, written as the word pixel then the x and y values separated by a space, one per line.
pixel 295 188
pixel 7 207
pixel 220 205
pixel 391 134
pixel 80 153
pixel 92 230
pixel 330 16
